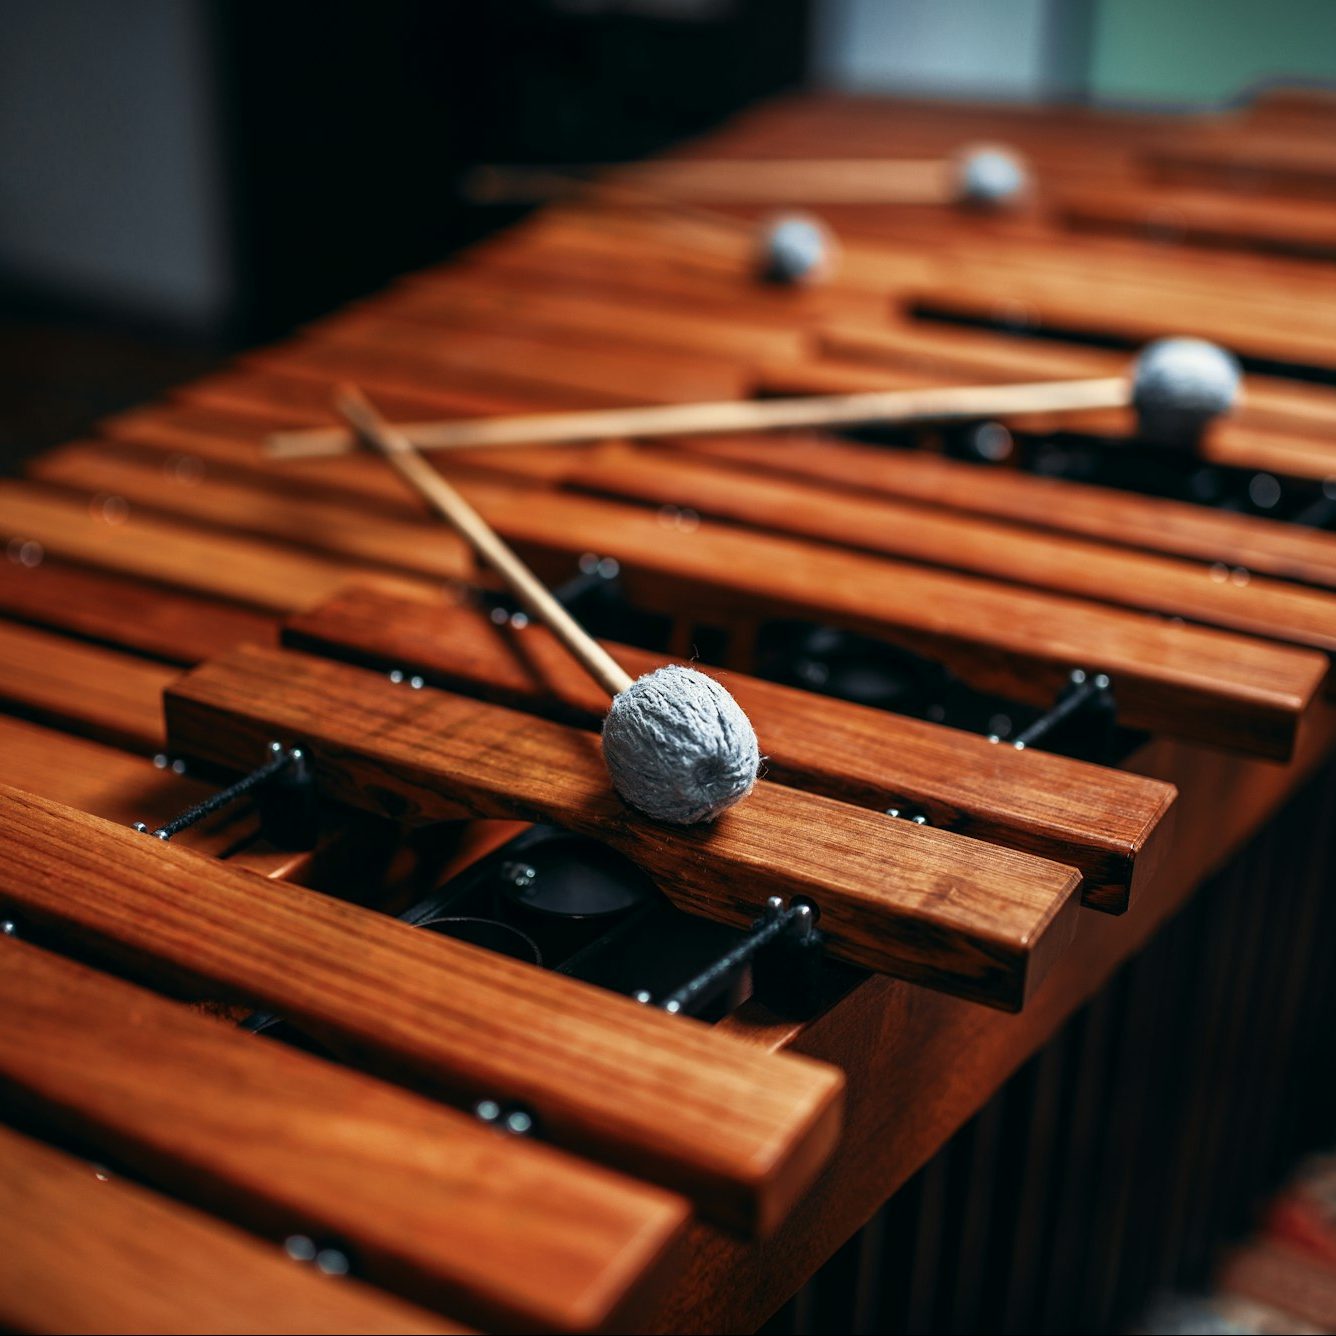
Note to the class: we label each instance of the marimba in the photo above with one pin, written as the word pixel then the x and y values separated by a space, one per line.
pixel 422 1029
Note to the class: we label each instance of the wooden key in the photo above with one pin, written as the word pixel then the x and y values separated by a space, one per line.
pixel 921 903
pixel 742 1132
pixel 84 1250
pixel 98 692
pixel 1115 519
pixel 429 1202
pixel 269 576
pixel 1108 823
pixel 121 787
pixel 955 541
pixel 130 614
pixel 726 180
pixel 1189 681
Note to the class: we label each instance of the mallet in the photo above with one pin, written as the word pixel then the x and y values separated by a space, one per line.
pixel 1176 386
pixel 677 745
pixel 987 176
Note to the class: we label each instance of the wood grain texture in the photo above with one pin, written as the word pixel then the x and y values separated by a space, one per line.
pixel 98 692
pixel 925 904
pixel 405 354
pixel 741 1133
pixel 128 614
pixel 125 788
pixel 267 576
pixel 1114 519
pixel 227 442
pixel 1108 824
pixel 901 1109
pixel 1194 681
pixel 1190 681
pixel 89 1252
pixel 1089 570
pixel 431 1203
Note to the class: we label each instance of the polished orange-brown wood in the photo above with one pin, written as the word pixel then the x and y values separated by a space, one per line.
pixel 432 1203
pixel 741 1134
pixel 922 903
pixel 84 1250
pixel 1109 824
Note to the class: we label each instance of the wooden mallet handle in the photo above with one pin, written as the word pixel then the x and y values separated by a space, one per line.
pixel 536 598
pixel 942 403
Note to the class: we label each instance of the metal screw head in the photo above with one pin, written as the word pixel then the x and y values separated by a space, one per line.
pixel 8 928
pixel 275 749
pixel 178 767
pixel 332 1262
pixel 519 1122
pixel 487 1110
pixel 396 675
pixel 141 827
pixel 672 1006
pixel 416 683
pixel 519 875
pixel 300 1248
pixel 643 996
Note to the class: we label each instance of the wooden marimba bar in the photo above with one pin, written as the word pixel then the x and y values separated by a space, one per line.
pixel 381 1044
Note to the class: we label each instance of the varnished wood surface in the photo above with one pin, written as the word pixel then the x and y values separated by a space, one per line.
pixel 101 693
pixel 1171 215
pixel 742 1134
pixel 1193 681
pixel 1114 519
pixel 926 904
pixel 1108 824
pixel 123 787
pixel 260 575
pixel 433 1204
pixel 1003 552
pixel 901 1108
pixel 83 1250
pixel 919 1062
pixel 1190 681
pixel 130 614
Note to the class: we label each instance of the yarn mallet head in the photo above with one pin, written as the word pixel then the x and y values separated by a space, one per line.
pixel 990 177
pixel 795 248
pixel 1181 384
pixel 678 747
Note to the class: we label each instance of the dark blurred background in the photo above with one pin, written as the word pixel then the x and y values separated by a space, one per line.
pixel 182 177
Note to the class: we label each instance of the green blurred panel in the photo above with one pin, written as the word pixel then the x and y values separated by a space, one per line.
pixel 1207 51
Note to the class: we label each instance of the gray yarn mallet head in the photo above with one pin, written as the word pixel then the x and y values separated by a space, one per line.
pixel 990 177
pixel 1179 385
pixel 795 248
pixel 678 746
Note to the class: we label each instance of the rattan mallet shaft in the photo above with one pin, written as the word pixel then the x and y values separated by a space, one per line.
pixel 735 415
pixel 537 599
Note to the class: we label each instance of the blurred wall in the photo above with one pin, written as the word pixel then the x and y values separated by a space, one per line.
pixel 1208 51
pixel 1015 49
pixel 110 181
